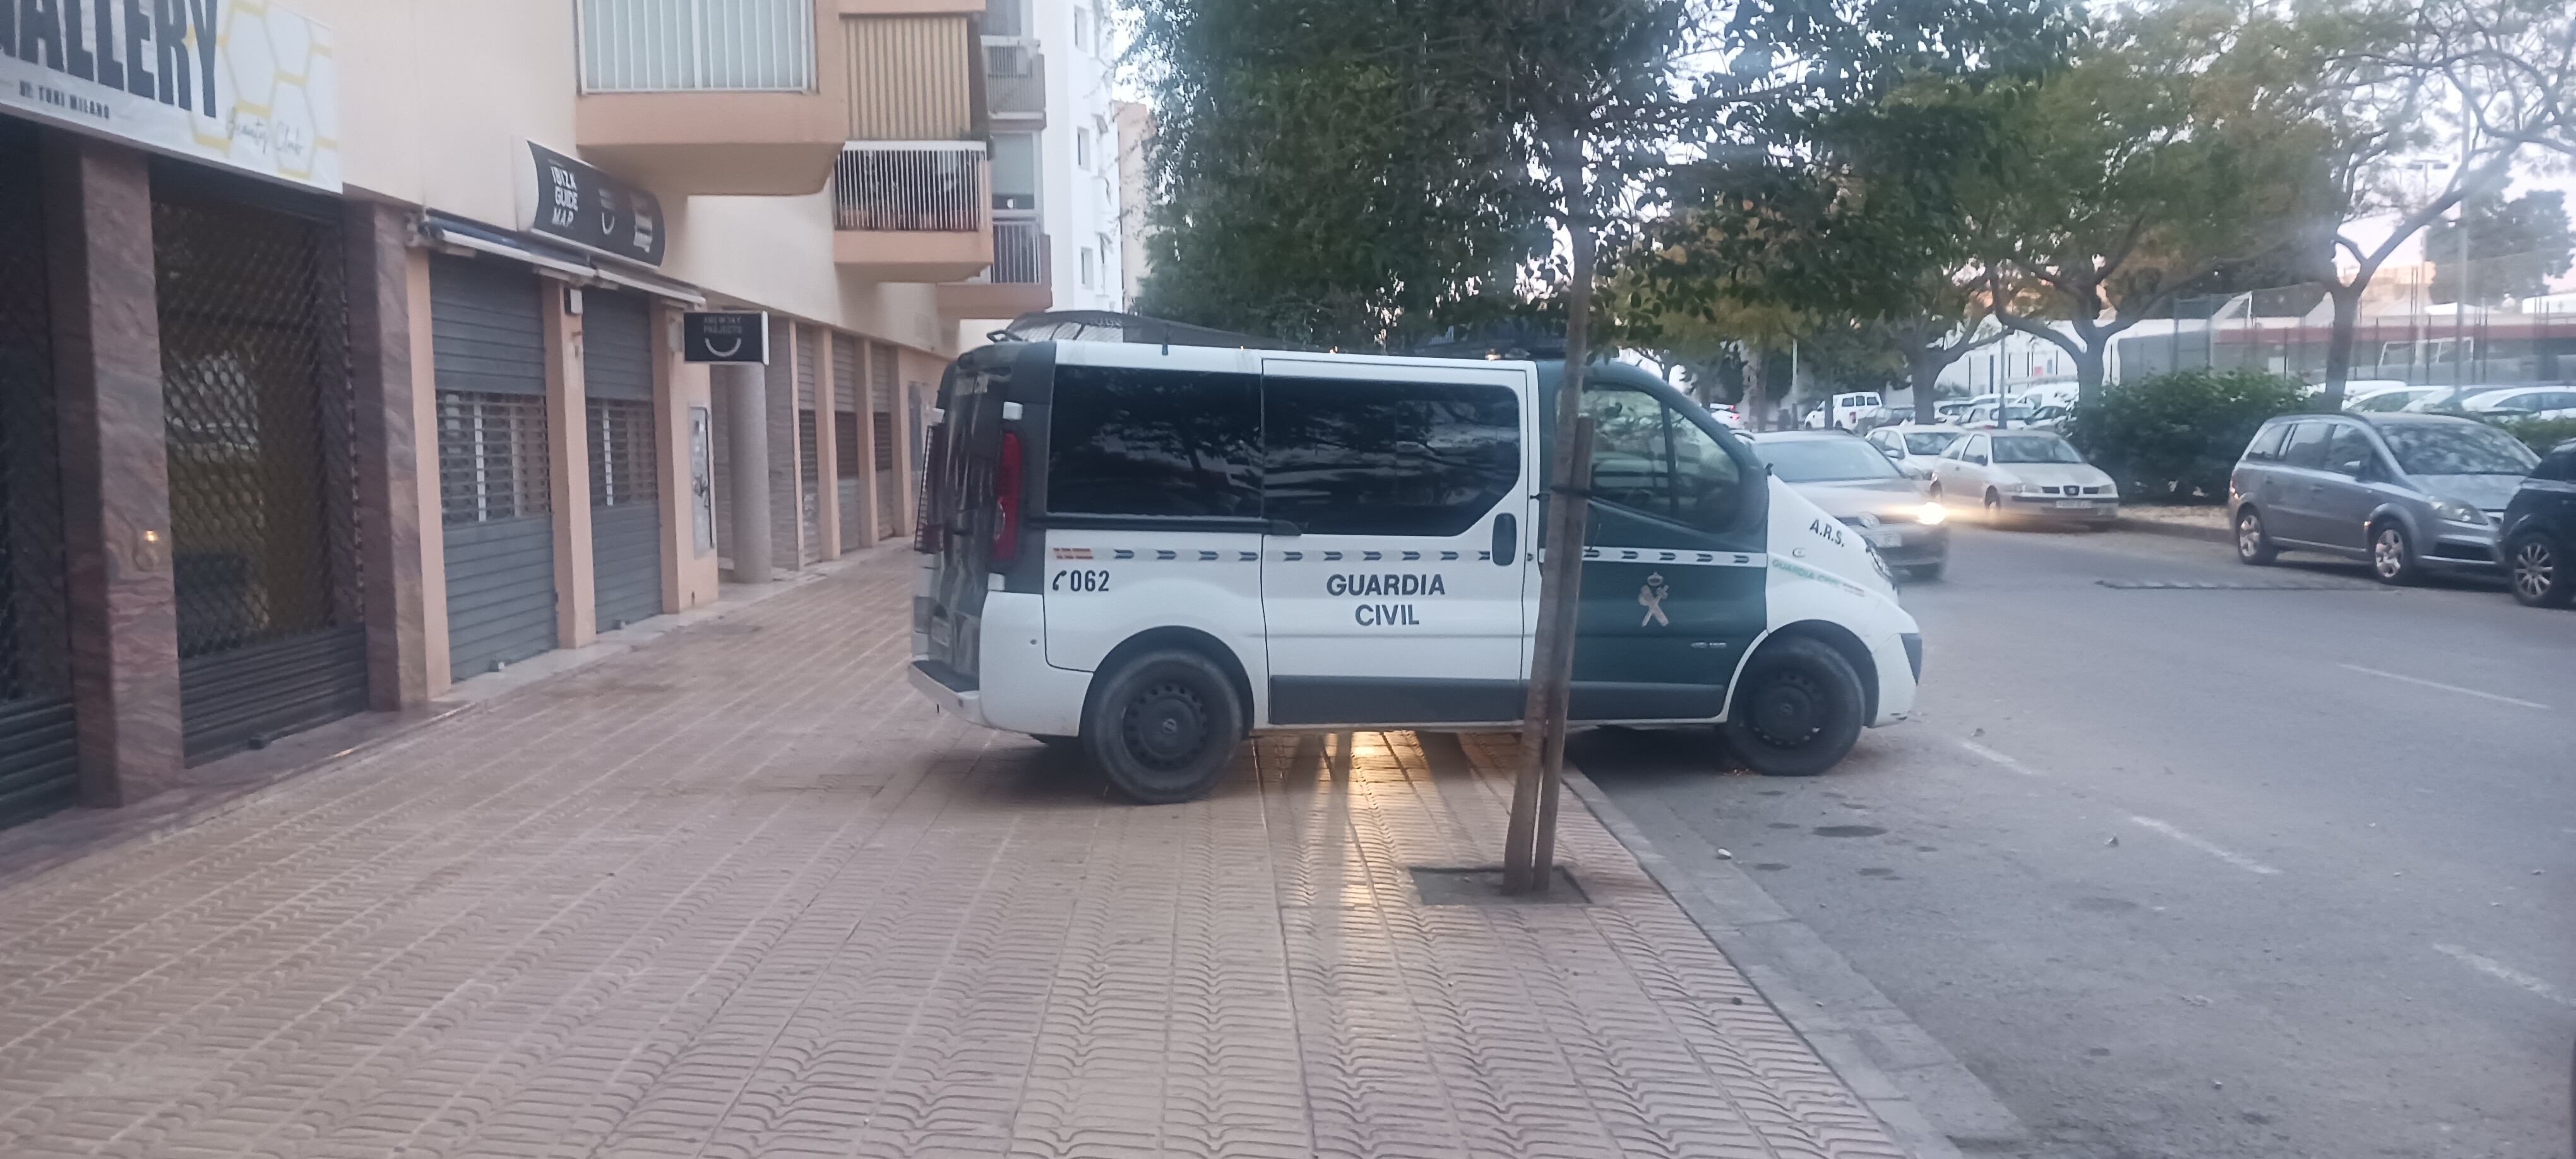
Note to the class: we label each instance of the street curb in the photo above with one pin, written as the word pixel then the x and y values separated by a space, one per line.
pixel 2173 530
pixel 1927 1099
pixel 48 845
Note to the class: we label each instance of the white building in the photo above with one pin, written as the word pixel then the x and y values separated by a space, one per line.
pixel 1055 158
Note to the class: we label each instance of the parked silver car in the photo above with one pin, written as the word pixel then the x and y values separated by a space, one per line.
pixel 2407 492
pixel 1854 482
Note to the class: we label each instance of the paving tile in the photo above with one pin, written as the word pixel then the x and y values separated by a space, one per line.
pixel 741 892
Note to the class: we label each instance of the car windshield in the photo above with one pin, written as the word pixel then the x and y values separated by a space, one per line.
pixel 1929 442
pixel 2034 449
pixel 2445 448
pixel 1824 460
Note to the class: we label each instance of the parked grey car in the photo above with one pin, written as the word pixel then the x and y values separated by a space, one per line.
pixel 2406 492
pixel 1853 481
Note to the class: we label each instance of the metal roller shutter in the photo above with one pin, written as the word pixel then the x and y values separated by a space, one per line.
pixel 39 772
pixel 809 451
pixel 881 401
pixel 261 418
pixel 495 483
pixel 625 467
pixel 847 461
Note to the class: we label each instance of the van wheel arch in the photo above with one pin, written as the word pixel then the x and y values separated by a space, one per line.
pixel 1187 639
pixel 1834 635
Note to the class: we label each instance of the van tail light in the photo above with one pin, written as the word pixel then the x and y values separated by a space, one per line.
pixel 1006 496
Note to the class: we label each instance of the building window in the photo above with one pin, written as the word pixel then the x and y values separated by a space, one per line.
pixel 1082 148
pixel 1090 266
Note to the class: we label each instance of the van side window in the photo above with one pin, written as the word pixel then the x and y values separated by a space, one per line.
pixel 1388 458
pixel 1646 458
pixel 2558 466
pixel 1154 442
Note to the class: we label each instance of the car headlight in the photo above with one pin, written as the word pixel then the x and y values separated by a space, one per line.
pixel 2012 486
pixel 1930 514
pixel 2458 512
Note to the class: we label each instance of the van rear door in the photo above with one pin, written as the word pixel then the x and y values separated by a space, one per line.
pixel 960 512
pixel 1397 599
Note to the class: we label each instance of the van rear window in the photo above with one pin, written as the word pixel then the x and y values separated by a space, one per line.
pixel 1124 441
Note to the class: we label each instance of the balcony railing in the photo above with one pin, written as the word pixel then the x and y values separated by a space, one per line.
pixel 1019 254
pixel 1014 79
pixel 654 46
pixel 910 186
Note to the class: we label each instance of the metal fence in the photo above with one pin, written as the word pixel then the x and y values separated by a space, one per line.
pixel 2399 337
pixel 931 186
pixel 646 46
pixel 1019 254
pixel 492 460
pixel 34 649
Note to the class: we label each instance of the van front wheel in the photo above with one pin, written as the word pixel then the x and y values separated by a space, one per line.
pixel 1164 726
pixel 1798 709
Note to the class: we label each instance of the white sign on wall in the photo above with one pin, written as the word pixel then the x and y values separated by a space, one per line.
pixel 244 83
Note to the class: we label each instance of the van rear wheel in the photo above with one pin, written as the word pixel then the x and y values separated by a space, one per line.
pixel 1164 726
pixel 1797 710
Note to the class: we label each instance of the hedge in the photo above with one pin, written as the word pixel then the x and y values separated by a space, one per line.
pixel 2175 437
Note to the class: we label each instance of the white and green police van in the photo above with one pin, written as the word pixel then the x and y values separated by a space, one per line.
pixel 1151 550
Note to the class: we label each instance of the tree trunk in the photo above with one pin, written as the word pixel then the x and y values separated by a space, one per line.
pixel 1923 369
pixel 1530 841
pixel 1753 406
pixel 2347 315
pixel 2088 378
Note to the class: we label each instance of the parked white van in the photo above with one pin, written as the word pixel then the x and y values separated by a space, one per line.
pixel 1151 550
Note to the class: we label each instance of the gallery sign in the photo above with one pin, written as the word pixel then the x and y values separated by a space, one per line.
pixel 570 201
pixel 241 83
pixel 724 336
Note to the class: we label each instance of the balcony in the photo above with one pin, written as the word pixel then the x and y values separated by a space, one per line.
pixel 725 97
pixel 1014 83
pixel 1019 281
pixel 913 211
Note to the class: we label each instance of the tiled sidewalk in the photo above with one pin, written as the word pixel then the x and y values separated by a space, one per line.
pixel 741 893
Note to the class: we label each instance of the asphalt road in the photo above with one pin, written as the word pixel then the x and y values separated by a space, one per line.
pixel 2196 873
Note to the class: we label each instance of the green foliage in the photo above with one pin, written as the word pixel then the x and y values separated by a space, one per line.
pixel 2540 434
pixel 2175 437
pixel 2515 247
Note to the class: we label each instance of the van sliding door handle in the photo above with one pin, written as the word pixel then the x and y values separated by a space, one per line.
pixel 1507 540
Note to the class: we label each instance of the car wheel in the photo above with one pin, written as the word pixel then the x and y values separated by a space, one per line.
pixel 1994 507
pixel 1797 709
pixel 2538 571
pixel 1164 726
pixel 2252 546
pixel 1935 494
pixel 1924 573
pixel 2392 556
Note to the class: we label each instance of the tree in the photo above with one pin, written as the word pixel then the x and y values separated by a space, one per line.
pixel 2514 247
pixel 2128 178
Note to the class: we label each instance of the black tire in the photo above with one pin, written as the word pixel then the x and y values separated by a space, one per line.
pixel 2392 555
pixel 1935 494
pixel 1925 573
pixel 1163 726
pixel 1797 710
pixel 2539 571
pixel 2252 545
pixel 1994 508
pixel 1056 743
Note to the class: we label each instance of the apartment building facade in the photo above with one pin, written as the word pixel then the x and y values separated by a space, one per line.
pixel 1056 225
pixel 340 339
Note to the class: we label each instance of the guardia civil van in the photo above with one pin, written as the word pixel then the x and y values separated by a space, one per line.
pixel 1150 550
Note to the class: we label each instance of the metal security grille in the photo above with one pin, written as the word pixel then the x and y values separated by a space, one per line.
pixel 261 418
pixel 846 463
pixel 38 771
pixel 809 462
pixel 492 457
pixel 881 401
pixel 645 46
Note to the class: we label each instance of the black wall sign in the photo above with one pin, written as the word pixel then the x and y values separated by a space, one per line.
pixel 589 208
pixel 707 336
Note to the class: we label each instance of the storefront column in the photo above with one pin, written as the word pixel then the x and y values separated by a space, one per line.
pixel 124 621
pixel 430 512
pixel 568 452
pixel 742 390
pixel 685 412
pixel 389 466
